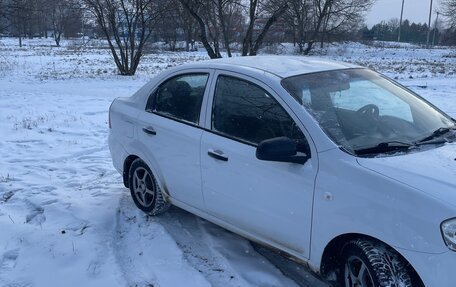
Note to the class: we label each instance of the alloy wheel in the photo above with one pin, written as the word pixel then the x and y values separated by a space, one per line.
pixel 144 187
pixel 357 274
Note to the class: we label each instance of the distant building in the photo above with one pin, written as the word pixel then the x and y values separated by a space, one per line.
pixel 277 31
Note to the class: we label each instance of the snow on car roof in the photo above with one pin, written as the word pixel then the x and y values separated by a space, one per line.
pixel 281 66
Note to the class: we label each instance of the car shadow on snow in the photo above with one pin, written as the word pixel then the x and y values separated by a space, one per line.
pixel 222 257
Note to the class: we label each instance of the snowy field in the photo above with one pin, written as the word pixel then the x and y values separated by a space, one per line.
pixel 65 217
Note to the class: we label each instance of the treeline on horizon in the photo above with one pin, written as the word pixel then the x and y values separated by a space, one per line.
pixel 222 27
pixel 411 32
pixel 302 22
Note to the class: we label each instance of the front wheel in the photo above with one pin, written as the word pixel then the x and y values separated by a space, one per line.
pixel 368 264
pixel 145 190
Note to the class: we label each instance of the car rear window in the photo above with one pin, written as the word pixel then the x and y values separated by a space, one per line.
pixel 180 97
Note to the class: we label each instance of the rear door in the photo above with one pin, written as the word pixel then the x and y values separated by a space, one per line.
pixel 169 129
pixel 270 200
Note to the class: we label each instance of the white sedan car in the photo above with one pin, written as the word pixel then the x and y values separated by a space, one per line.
pixel 339 167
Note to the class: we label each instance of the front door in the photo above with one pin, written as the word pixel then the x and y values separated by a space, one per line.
pixel 270 200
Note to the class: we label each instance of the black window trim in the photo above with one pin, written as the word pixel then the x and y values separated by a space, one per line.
pixel 231 137
pixel 204 129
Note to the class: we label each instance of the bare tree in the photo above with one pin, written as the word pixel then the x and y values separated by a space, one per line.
pixel 188 25
pixel 40 17
pixel 175 24
pixel 274 10
pixel 23 18
pixel 195 8
pixel 62 14
pixel 344 17
pixel 225 21
pixel 314 20
pixel 19 14
pixel 394 24
pixel 310 18
pixel 73 27
pixel 168 27
pixel 211 18
pixel 221 18
pixel 216 18
pixel 299 18
pixel 221 6
pixel 449 10
pixel 126 25
pixel 3 17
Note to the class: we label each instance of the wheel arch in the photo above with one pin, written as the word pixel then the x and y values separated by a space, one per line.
pixel 126 169
pixel 333 251
pixel 151 164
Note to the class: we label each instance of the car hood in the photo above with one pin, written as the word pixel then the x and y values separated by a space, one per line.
pixel 432 171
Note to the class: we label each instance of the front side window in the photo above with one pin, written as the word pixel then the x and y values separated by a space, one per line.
pixel 366 113
pixel 180 97
pixel 244 111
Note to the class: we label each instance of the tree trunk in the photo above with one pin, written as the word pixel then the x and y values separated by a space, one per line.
pixel 321 16
pixel 202 26
pixel 254 50
pixel 247 42
pixel 224 32
pixel 57 40
pixel 187 41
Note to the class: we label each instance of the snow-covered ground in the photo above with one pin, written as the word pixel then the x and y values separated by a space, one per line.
pixel 65 217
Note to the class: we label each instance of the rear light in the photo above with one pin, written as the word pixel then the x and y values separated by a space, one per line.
pixel 109 116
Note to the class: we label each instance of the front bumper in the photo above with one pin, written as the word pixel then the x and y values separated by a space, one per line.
pixel 435 270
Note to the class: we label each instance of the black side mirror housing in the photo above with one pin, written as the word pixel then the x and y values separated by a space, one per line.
pixel 281 149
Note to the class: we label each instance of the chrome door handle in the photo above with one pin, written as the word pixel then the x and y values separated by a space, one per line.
pixel 149 131
pixel 217 154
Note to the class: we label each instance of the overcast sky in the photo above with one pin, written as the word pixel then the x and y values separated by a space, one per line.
pixel 414 10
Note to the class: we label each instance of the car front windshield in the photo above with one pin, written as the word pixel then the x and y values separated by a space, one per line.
pixel 364 112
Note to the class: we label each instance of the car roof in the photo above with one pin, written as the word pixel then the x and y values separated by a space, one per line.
pixel 281 66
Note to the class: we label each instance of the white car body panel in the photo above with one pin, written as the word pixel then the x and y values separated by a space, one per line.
pixel 296 208
pixel 176 148
pixel 441 171
pixel 366 202
pixel 231 187
pixel 271 218
pixel 123 116
pixel 434 269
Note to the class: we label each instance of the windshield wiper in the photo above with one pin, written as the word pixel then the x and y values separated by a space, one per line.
pixel 385 147
pixel 436 134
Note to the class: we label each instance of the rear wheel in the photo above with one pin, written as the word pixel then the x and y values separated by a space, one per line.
pixel 368 264
pixel 145 191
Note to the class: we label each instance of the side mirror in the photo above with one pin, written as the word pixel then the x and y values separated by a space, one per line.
pixel 281 149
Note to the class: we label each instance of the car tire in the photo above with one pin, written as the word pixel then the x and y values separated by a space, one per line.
pixel 368 264
pixel 145 191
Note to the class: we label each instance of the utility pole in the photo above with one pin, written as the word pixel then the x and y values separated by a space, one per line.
pixel 400 22
pixel 435 28
pixel 429 26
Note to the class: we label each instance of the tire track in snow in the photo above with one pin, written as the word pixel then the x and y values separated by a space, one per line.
pixel 230 258
pixel 145 245
pixel 297 272
pixel 146 254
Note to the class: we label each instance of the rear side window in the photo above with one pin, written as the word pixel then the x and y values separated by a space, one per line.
pixel 179 97
pixel 244 111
